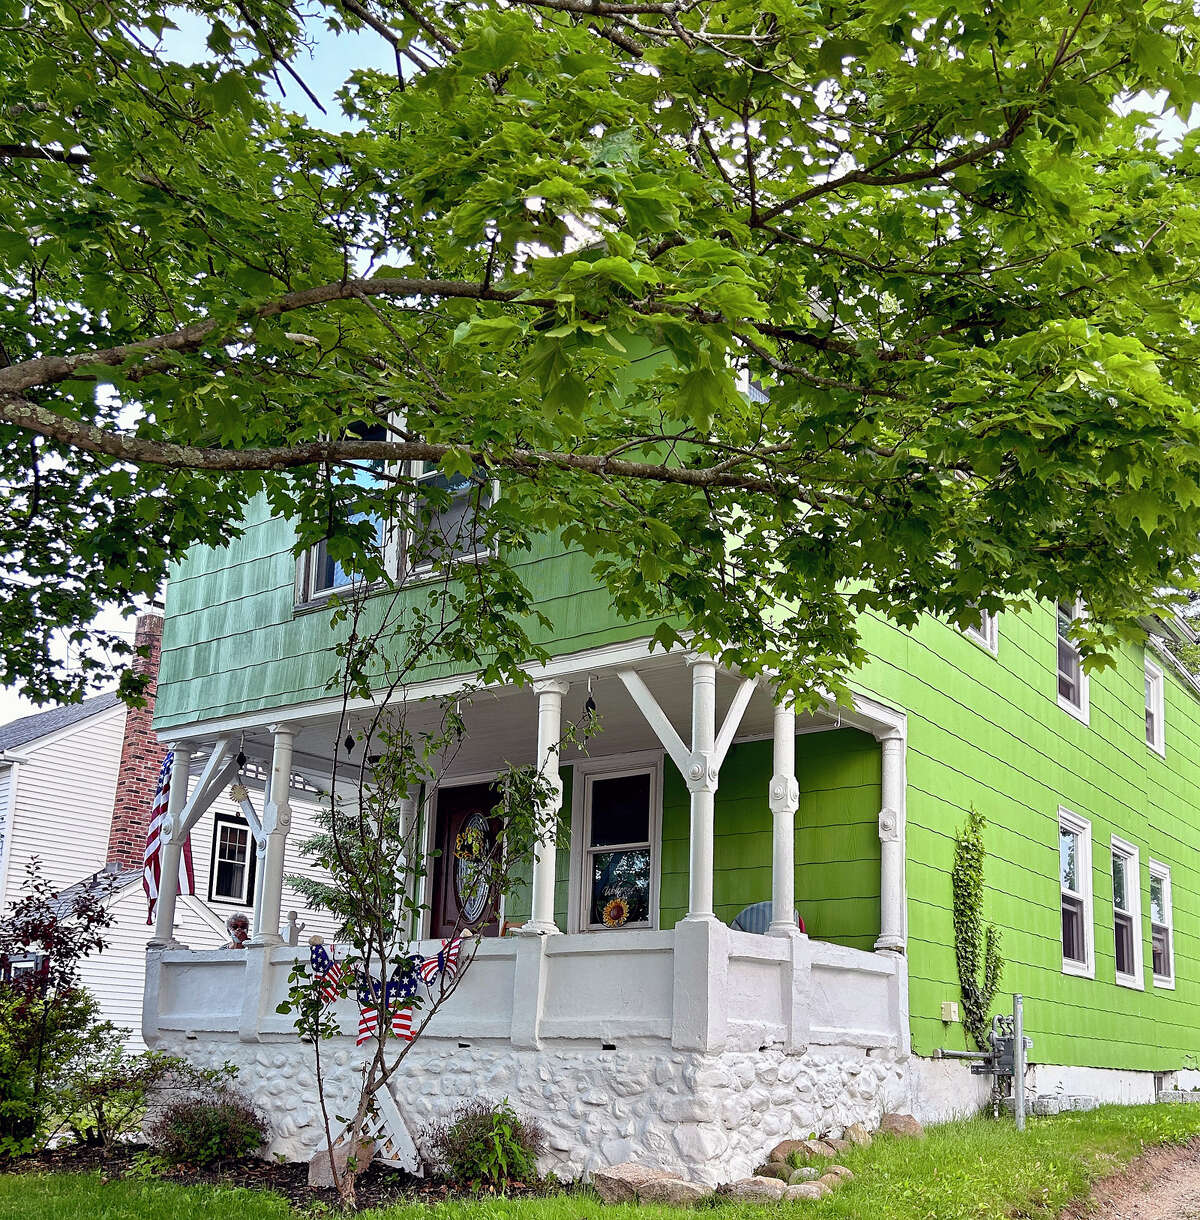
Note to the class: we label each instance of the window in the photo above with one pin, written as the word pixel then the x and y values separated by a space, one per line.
pixel 1127 914
pixel 1072 681
pixel 447 517
pixel 1075 869
pixel 233 860
pixel 1155 728
pixel 1162 937
pixel 986 633
pixel 619 857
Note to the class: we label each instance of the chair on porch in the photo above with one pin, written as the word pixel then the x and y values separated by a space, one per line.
pixel 757 918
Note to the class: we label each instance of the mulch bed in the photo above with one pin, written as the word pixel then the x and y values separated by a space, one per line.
pixel 378 1186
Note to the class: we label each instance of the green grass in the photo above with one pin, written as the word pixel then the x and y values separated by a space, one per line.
pixel 971 1170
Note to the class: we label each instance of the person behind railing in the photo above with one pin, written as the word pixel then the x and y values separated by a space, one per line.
pixel 238 927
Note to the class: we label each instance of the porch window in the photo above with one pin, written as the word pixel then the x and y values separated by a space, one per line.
pixel 1162 949
pixel 233 861
pixel 447 509
pixel 985 633
pixel 1127 921
pixel 1154 708
pixel 1075 866
pixel 1072 681
pixel 619 857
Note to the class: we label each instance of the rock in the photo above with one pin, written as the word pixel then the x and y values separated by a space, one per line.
pixel 838 1145
pixel 672 1190
pixel 840 1172
pixel 806 1190
pixel 774 1169
pixel 320 1176
pixel 823 1148
pixel 782 1151
pixel 806 1173
pixel 621 1183
pixel 856 1133
pixel 758 1188
pixel 829 1180
pixel 903 1125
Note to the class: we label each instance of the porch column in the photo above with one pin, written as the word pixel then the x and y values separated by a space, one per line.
pixel 550 693
pixel 171 851
pixel 260 866
pixel 891 843
pixel 702 785
pixel 277 821
pixel 784 801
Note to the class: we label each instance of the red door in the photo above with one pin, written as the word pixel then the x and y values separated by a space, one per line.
pixel 465 836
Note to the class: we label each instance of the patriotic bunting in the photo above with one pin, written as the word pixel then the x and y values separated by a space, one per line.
pixel 326 971
pixel 368 1008
pixel 445 963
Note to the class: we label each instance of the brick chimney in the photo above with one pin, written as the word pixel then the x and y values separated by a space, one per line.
pixel 141 757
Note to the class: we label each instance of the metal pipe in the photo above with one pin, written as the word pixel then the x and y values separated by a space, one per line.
pixel 1019 1060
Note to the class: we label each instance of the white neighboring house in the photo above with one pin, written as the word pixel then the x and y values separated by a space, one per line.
pixel 76 786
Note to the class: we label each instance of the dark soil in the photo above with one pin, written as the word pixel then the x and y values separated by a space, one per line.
pixel 378 1186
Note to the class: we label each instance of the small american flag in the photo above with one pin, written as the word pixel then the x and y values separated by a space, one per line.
pixel 152 858
pixel 369 999
pixel 326 972
pixel 445 963
pixel 399 1004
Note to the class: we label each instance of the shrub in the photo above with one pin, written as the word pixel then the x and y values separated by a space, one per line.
pixel 221 1125
pixel 486 1144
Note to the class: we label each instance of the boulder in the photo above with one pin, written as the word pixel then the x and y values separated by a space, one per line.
pixel 823 1148
pixel 782 1151
pixel 838 1145
pixel 856 1133
pixel 320 1175
pixel 622 1183
pixel 758 1188
pixel 838 1171
pixel 830 1181
pixel 674 1191
pixel 774 1169
pixel 806 1190
pixel 903 1125
pixel 806 1173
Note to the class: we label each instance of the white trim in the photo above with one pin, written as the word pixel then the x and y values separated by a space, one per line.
pixel 1082 710
pixel 987 634
pixel 1073 823
pixel 1156 704
pixel 420 574
pixel 10 814
pixel 1163 872
pixel 1133 895
pixel 583 772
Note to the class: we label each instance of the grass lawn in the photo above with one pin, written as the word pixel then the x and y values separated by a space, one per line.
pixel 972 1170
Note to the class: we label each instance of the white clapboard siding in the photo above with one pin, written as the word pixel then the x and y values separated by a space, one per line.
pixel 117 975
pixel 6 779
pixel 66 785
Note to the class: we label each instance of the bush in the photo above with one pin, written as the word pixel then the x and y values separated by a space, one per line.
pixel 486 1144
pixel 220 1126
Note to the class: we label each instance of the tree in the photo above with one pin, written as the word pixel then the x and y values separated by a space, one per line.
pixel 948 243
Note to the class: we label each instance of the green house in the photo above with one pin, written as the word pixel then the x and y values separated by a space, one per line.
pixel 650 993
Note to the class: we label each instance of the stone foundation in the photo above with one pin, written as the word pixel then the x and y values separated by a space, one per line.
pixel 712 1117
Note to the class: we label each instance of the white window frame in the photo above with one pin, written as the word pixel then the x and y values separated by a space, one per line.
pixel 987 634
pixel 247 894
pixel 1073 823
pixel 417 572
pixel 1156 706
pixel 1133 912
pixel 584 773
pixel 1081 710
pixel 1163 873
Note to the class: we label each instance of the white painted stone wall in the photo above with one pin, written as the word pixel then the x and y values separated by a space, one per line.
pixel 713 1117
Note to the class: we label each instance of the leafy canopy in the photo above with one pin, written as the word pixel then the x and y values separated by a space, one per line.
pixel 553 244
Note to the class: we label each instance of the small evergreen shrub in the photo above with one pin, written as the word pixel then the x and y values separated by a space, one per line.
pixel 487 1144
pixel 221 1125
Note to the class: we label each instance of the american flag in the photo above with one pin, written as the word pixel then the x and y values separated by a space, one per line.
pixel 399 1002
pixel 326 972
pixel 368 1008
pixel 445 963
pixel 152 858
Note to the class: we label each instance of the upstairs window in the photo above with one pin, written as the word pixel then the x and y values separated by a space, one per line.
pixel 1162 948
pixel 1075 867
pixel 1155 728
pixel 232 873
pixel 446 512
pixel 985 633
pixel 1127 914
pixel 1072 681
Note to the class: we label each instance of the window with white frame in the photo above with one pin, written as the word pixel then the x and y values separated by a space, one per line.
pixel 1162 936
pixel 1155 726
pixel 1127 914
pixel 619 857
pixel 232 861
pixel 1072 681
pixel 1075 882
pixel 446 517
pixel 985 633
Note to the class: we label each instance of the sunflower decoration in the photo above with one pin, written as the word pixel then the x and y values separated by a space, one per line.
pixel 469 844
pixel 616 912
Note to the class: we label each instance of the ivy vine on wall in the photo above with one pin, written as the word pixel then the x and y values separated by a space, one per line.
pixel 976 946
